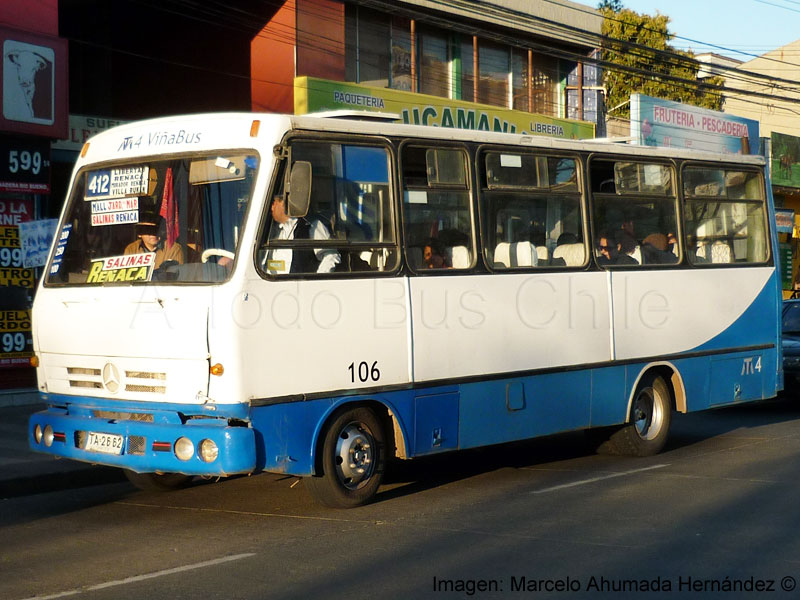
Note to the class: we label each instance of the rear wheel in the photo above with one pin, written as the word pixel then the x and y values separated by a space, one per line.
pixel 651 415
pixel 353 456
pixel 158 482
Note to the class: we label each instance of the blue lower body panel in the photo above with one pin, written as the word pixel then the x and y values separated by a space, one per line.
pixel 146 446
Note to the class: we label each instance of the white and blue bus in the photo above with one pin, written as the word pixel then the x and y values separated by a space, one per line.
pixel 235 293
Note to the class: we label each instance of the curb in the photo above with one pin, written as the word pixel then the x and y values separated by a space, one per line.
pixel 19 397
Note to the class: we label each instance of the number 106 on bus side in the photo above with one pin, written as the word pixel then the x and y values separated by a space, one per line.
pixel 364 372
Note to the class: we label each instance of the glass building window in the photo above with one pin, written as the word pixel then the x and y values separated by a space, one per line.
pixel 434 66
pixel 545 85
pixel 519 79
pixel 493 70
pixel 401 54
pixel 367 46
pixel 465 71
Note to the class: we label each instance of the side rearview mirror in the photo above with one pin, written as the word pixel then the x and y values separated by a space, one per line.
pixel 299 189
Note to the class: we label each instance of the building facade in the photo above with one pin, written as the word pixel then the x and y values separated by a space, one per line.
pixel 517 55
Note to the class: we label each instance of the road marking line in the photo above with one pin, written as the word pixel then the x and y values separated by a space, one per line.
pixel 136 578
pixel 252 513
pixel 594 479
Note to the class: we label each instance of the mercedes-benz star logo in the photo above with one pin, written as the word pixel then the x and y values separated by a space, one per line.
pixel 111 378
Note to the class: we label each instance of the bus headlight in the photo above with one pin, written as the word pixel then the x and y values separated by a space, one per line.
pixel 184 448
pixel 37 433
pixel 208 451
pixel 48 436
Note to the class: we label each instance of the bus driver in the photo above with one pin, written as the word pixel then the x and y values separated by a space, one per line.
pixel 297 260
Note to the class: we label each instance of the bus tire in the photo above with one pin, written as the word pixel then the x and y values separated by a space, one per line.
pixel 651 415
pixel 353 456
pixel 158 482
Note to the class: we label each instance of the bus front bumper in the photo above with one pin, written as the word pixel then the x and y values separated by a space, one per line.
pixel 145 447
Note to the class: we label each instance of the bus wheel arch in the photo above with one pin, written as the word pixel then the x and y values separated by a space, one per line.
pixel 649 415
pixel 350 454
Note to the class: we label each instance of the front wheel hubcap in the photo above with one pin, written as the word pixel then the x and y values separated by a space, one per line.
pixel 355 455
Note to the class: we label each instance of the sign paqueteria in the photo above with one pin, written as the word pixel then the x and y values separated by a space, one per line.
pixel 314 95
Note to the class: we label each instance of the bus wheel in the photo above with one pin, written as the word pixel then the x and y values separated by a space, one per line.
pixel 158 482
pixel 651 415
pixel 352 459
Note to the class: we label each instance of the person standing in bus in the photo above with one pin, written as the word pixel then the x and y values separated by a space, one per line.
pixel 149 240
pixel 298 260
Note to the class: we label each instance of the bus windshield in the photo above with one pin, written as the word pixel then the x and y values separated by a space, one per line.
pixel 163 220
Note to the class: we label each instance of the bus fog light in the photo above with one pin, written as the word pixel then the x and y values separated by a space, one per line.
pixel 37 433
pixel 208 451
pixel 48 436
pixel 184 448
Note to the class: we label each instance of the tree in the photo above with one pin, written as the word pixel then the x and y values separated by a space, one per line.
pixel 639 44
pixel 615 5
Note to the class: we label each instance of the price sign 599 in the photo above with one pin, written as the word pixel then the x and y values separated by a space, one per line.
pixel 10 257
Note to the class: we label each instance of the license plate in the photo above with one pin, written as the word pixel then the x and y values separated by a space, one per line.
pixel 107 443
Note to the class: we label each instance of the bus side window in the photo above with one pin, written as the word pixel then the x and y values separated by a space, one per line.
pixel 350 219
pixel 531 211
pixel 437 208
pixel 634 213
pixel 725 216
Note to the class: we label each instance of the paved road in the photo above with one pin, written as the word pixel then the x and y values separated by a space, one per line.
pixel 716 511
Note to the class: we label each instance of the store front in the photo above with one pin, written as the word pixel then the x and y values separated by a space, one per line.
pixel 34 109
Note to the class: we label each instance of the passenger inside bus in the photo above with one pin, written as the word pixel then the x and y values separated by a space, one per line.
pixel 298 260
pixel 628 248
pixel 656 250
pixel 433 255
pixel 607 250
pixel 149 239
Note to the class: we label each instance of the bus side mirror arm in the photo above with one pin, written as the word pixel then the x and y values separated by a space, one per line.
pixel 299 189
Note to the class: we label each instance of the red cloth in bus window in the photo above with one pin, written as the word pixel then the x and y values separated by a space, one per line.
pixel 169 210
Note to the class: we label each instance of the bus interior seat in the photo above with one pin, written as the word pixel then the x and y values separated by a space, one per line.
pixel 570 255
pixel 721 252
pixel 459 257
pixel 369 257
pixel 376 259
pixel 517 254
pixel 543 255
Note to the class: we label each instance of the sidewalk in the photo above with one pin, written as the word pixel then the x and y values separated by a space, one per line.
pixel 24 472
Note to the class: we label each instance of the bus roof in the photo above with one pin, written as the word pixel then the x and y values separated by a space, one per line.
pixel 235 130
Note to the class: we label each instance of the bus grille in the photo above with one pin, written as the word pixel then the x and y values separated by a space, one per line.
pixel 140 382
pixel 136 444
pixel 122 416
pixel 82 377
pixel 146 387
